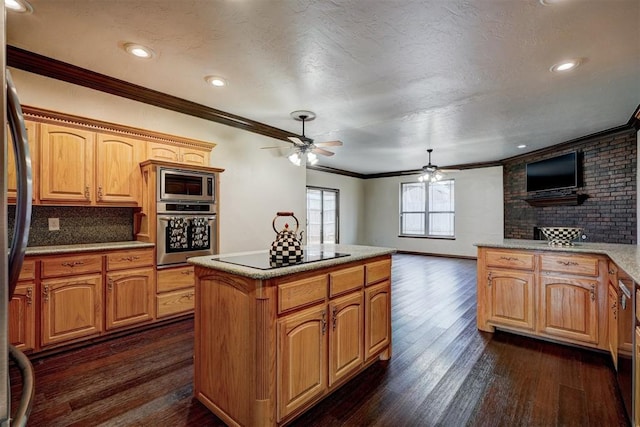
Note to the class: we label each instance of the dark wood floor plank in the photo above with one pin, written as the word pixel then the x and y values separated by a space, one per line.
pixel 443 372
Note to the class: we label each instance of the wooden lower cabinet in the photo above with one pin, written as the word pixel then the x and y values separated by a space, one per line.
pixel 612 324
pixel 636 391
pixel 71 308
pixel 510 298
pixel 129 297
pixel 301 360
pixel 295 338
pixel 377 325
pixel 22 317
pixel 568 308
pixel 175 292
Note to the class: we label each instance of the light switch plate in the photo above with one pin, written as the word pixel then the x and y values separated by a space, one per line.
pixel 54 224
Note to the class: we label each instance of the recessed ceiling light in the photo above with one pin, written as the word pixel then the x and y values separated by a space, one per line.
pixel 138 50
pixel 522 146
pixel 20 6
pixel 566 65
pixel 216 81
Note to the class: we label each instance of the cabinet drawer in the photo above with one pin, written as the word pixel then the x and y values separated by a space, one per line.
pixel 345 280
pixel 129 259
pixel 638 307
pixel 571 264
pixel 378 271
pixel 28 271
pixel 70 265
pixel 302 292
pixel 519 260
pixel 175 278
pixel 171 303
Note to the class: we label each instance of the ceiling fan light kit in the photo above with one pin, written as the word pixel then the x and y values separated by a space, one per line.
pixel 430 173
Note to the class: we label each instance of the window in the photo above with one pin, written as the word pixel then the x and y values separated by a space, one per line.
pixel 427 209
pixel 322 215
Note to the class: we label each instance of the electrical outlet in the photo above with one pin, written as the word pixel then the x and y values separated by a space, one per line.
pixel 54 224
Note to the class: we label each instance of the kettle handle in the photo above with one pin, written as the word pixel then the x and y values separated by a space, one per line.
pixel 273 224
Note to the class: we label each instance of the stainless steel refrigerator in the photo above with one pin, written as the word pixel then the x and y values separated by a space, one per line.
pixel 13 250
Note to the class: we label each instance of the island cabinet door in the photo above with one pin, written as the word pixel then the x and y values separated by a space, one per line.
pixel 569 308
pixel 346 336
pixel 377 323
pixel 301 359
pixel 510 298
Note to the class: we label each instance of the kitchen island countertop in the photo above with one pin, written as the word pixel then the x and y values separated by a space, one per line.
pixel 356 253
pixel 625 256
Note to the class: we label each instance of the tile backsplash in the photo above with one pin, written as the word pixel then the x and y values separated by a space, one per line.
pixel 78 225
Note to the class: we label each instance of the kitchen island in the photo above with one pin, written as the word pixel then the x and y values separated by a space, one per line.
pixel 272 341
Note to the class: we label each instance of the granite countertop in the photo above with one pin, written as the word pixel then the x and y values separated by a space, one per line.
pixel 355 252
pixel 86 247
pixel 626 257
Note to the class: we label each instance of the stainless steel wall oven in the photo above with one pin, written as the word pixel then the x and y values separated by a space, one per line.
pixel 185 230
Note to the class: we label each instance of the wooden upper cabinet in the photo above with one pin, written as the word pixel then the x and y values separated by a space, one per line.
pixel 66 164
pixel 118 178
pixel 32 138
pixel 174 153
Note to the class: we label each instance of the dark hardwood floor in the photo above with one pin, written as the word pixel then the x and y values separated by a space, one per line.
pixel 443 372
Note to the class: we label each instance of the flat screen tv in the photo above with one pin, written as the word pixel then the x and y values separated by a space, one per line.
pixel 554 173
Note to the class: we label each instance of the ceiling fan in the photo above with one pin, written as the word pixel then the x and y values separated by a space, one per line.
pixel 305 149
pixel 432 173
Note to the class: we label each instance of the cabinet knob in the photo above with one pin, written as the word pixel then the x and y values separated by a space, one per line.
pixel 87 195
pixel 324 321
pixel 489 280
pixel 29 295
pixel 593 292
pixel 334 316
pixel 100 192
pixel 45 293
pixel 110 284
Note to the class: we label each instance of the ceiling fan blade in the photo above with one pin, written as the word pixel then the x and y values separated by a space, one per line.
pixel 296 140
pixel 322 151
pixel 445 170
pixel 328 144
pixel 267 148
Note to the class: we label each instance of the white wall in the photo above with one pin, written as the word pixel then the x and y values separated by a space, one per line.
pixel 255 185
pixel 479 213
pixel 351 203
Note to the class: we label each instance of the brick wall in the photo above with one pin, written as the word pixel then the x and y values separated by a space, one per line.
pixel 609 174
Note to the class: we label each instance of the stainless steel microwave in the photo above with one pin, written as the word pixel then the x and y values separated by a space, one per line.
pixel 177 185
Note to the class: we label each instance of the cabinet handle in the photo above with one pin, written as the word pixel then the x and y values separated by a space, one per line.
pixel 324 321
pixel 509 258
pixel 593 292
pixel 611 272
pixel 334 316
pixel 489 280
pixel 29 295
pixel 567 263
pixel 72 263
pixel 45 293
pixel 129 258
pixel 100 192
pixel 110 284
pixel 87 195
pixel 187 272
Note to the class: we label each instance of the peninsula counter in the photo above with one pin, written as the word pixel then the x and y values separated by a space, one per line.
pixel 271 343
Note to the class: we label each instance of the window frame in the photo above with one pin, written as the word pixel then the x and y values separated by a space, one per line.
pixel 337 212
pixel 426 212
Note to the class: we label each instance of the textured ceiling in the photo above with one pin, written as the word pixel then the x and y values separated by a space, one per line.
pixel 469 79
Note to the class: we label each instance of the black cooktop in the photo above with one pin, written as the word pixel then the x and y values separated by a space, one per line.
pixel 263 261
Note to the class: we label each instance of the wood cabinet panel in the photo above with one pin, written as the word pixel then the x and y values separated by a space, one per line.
pixel 569 308
pixel 32 139
pixel 377 271
pixel 170 279
pixel 28 271
pixel 129 297
pixel 22 317
pixel 302 292
pixel 377 324
pixel 346 280
pixel 301 359
pixel 613 324
pixel 346 336
pixel 510 259
pixel 66 164
pixel 177 302
pixel 177 154
pixel 193 156
pixel 511 298
pixel 570 264
pixel 70 265
pixel 129 259
pixel 118 177
pixel 71 307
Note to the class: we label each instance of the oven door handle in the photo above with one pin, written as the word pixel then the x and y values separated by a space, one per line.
pixel 166 218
